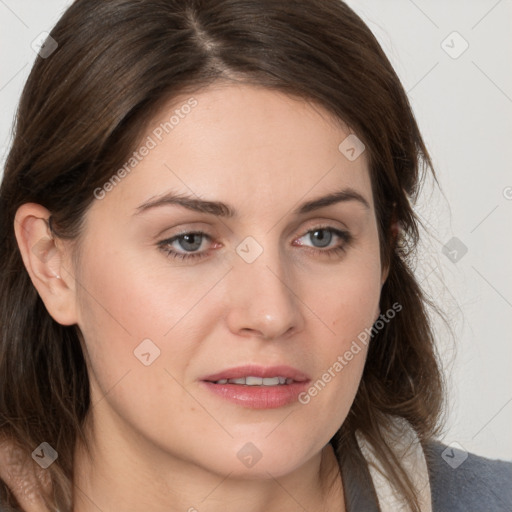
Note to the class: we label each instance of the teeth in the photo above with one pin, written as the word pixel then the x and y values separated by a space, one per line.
pixel 257 381
pixel 254 381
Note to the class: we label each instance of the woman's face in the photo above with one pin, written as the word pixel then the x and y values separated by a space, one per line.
pixel 282 291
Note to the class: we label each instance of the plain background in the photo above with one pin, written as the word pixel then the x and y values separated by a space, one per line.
pixel 463 103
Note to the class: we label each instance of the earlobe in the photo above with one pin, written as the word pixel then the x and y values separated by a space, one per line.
pixel 44 259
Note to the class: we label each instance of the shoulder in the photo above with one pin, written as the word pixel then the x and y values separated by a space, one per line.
pixel 462 481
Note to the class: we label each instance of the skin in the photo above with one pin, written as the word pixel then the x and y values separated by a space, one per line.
pixel 160 441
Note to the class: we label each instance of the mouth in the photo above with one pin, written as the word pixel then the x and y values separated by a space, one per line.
pixel 258 387
pixel 254 375
pixel 252 380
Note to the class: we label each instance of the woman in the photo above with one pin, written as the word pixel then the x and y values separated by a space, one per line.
pixel 207 299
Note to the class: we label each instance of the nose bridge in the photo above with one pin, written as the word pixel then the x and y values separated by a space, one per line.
pixel 263 300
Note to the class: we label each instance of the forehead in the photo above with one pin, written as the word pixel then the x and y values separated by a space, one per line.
pixel 252 147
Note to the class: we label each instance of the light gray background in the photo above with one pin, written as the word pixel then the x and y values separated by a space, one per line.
pixel 463 104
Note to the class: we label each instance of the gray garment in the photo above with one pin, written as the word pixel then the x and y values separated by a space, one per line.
pixel 478 484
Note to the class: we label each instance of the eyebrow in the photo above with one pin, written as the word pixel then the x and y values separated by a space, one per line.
pixel 221 209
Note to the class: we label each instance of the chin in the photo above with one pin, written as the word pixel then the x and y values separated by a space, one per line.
pixel 256 460
pixel 262 470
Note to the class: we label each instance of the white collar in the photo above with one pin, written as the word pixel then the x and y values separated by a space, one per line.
pixel 403 440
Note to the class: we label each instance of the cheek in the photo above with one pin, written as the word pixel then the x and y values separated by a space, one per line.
pixel 116 311
pixel 347 296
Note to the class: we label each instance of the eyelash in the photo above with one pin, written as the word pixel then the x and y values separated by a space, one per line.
pixel 164 245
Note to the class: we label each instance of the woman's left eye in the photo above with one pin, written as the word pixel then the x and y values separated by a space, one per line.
pixel 325 235
pixel 192 241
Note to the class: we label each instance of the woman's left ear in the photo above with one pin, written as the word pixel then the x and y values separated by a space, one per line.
pixel 47 260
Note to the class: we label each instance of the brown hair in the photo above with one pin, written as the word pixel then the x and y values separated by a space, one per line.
pixel 82 112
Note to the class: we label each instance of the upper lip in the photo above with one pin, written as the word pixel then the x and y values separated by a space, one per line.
pixel 258 371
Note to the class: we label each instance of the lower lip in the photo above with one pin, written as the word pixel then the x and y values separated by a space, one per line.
pixel 258 397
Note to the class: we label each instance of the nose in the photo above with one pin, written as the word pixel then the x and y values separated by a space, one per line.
pixel 262 298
